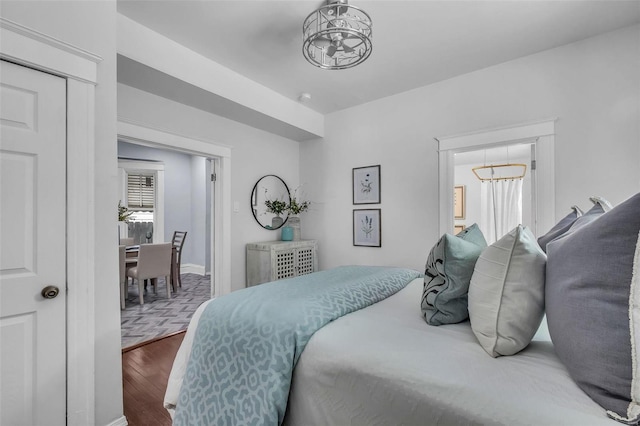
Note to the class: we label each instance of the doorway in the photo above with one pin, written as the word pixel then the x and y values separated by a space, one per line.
pixel 540 135
pixel 166 191
pixel 209 244
pixel 220 160
pixel 484 200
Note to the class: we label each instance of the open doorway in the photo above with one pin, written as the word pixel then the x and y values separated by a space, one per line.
pixel 493 188
pixel 539 135
pixel 217 163
pixel 166 191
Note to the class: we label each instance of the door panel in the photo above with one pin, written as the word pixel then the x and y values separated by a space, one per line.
pixel 32 247
pixel 19 231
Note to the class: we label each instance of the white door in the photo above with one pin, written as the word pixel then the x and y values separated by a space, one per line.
pixel 32 246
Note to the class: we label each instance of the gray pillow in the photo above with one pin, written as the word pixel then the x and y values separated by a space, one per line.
pixel 574 221
pixel 606 206
pixel 447 276
pixel 600 207
pixel 592 296
pixel 560 228
pixel 506 295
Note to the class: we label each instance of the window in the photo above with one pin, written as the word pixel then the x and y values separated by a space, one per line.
pixel 141 196
pixel 147 210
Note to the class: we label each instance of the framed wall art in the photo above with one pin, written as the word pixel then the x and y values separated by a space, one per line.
pixel 367 228
pixel 366 185
pixel 458 228
pixel 458 202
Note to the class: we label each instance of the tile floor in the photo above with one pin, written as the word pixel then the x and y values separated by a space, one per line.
pixel 160 316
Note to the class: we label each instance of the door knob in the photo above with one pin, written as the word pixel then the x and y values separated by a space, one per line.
pixel 50 292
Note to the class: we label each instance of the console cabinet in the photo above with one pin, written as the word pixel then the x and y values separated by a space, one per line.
pixel 275 260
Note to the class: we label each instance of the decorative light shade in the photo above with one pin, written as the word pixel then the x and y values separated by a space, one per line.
pixel 337 36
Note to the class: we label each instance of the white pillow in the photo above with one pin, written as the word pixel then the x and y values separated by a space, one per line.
pixel 506 294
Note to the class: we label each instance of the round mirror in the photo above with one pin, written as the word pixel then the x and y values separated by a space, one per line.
pixel 269 197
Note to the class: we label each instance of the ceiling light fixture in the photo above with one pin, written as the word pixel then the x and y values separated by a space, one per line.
pixel 337 36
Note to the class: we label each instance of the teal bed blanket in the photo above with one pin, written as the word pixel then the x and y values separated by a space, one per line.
pixel 248 342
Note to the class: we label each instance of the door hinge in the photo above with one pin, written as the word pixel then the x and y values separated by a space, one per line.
pixel 214 177
pixel 533 164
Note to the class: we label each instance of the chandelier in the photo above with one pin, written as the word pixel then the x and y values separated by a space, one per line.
pixel 337 36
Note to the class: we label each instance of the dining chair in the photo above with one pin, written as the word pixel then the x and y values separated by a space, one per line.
pixel 178 242
pixel 126 241
pixel 154 261
pixel 128 259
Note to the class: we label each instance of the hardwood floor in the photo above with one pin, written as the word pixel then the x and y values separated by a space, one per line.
pixel 145 371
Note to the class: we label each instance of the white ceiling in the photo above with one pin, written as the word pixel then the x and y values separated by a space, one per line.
pixel 415 43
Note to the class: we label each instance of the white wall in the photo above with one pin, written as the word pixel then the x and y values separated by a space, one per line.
pixel 591 87
pixel 255 153
pixel 92 26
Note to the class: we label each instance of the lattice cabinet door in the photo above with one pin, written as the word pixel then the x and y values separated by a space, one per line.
pixel 305 261
pixel 285 264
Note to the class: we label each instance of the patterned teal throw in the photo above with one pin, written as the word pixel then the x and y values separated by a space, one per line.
pixel 248 342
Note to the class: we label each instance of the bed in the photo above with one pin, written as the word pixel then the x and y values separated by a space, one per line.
pixel 383 365
pixel 456 346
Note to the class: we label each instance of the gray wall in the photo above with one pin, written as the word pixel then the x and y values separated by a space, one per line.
pixel 184 195
pixel 199 209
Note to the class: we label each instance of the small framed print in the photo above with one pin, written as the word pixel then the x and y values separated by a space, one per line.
pixel 458 228
pixel 367 228
pixel 458 202
pixel 366 185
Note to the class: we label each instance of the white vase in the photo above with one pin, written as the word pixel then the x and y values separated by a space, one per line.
pixel 123 229
pixel 276 222
pixel 294 222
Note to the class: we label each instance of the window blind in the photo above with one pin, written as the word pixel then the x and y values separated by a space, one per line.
pixel 140 192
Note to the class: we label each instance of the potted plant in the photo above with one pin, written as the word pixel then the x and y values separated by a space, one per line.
pixel 276 207
pixel 123 219
pixel 123 213
pixel 295 207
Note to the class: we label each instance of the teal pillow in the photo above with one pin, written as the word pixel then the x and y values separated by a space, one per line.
pixel 448 274
pixel 473 235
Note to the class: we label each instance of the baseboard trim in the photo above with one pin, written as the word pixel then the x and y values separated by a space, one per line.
pixel 148 342
pixel 122 421
pixel 190 268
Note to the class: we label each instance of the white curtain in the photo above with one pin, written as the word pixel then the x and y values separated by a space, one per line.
pixel 501 203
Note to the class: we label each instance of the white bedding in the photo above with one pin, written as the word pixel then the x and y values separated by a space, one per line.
pixel 180 362
pixel 384 365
